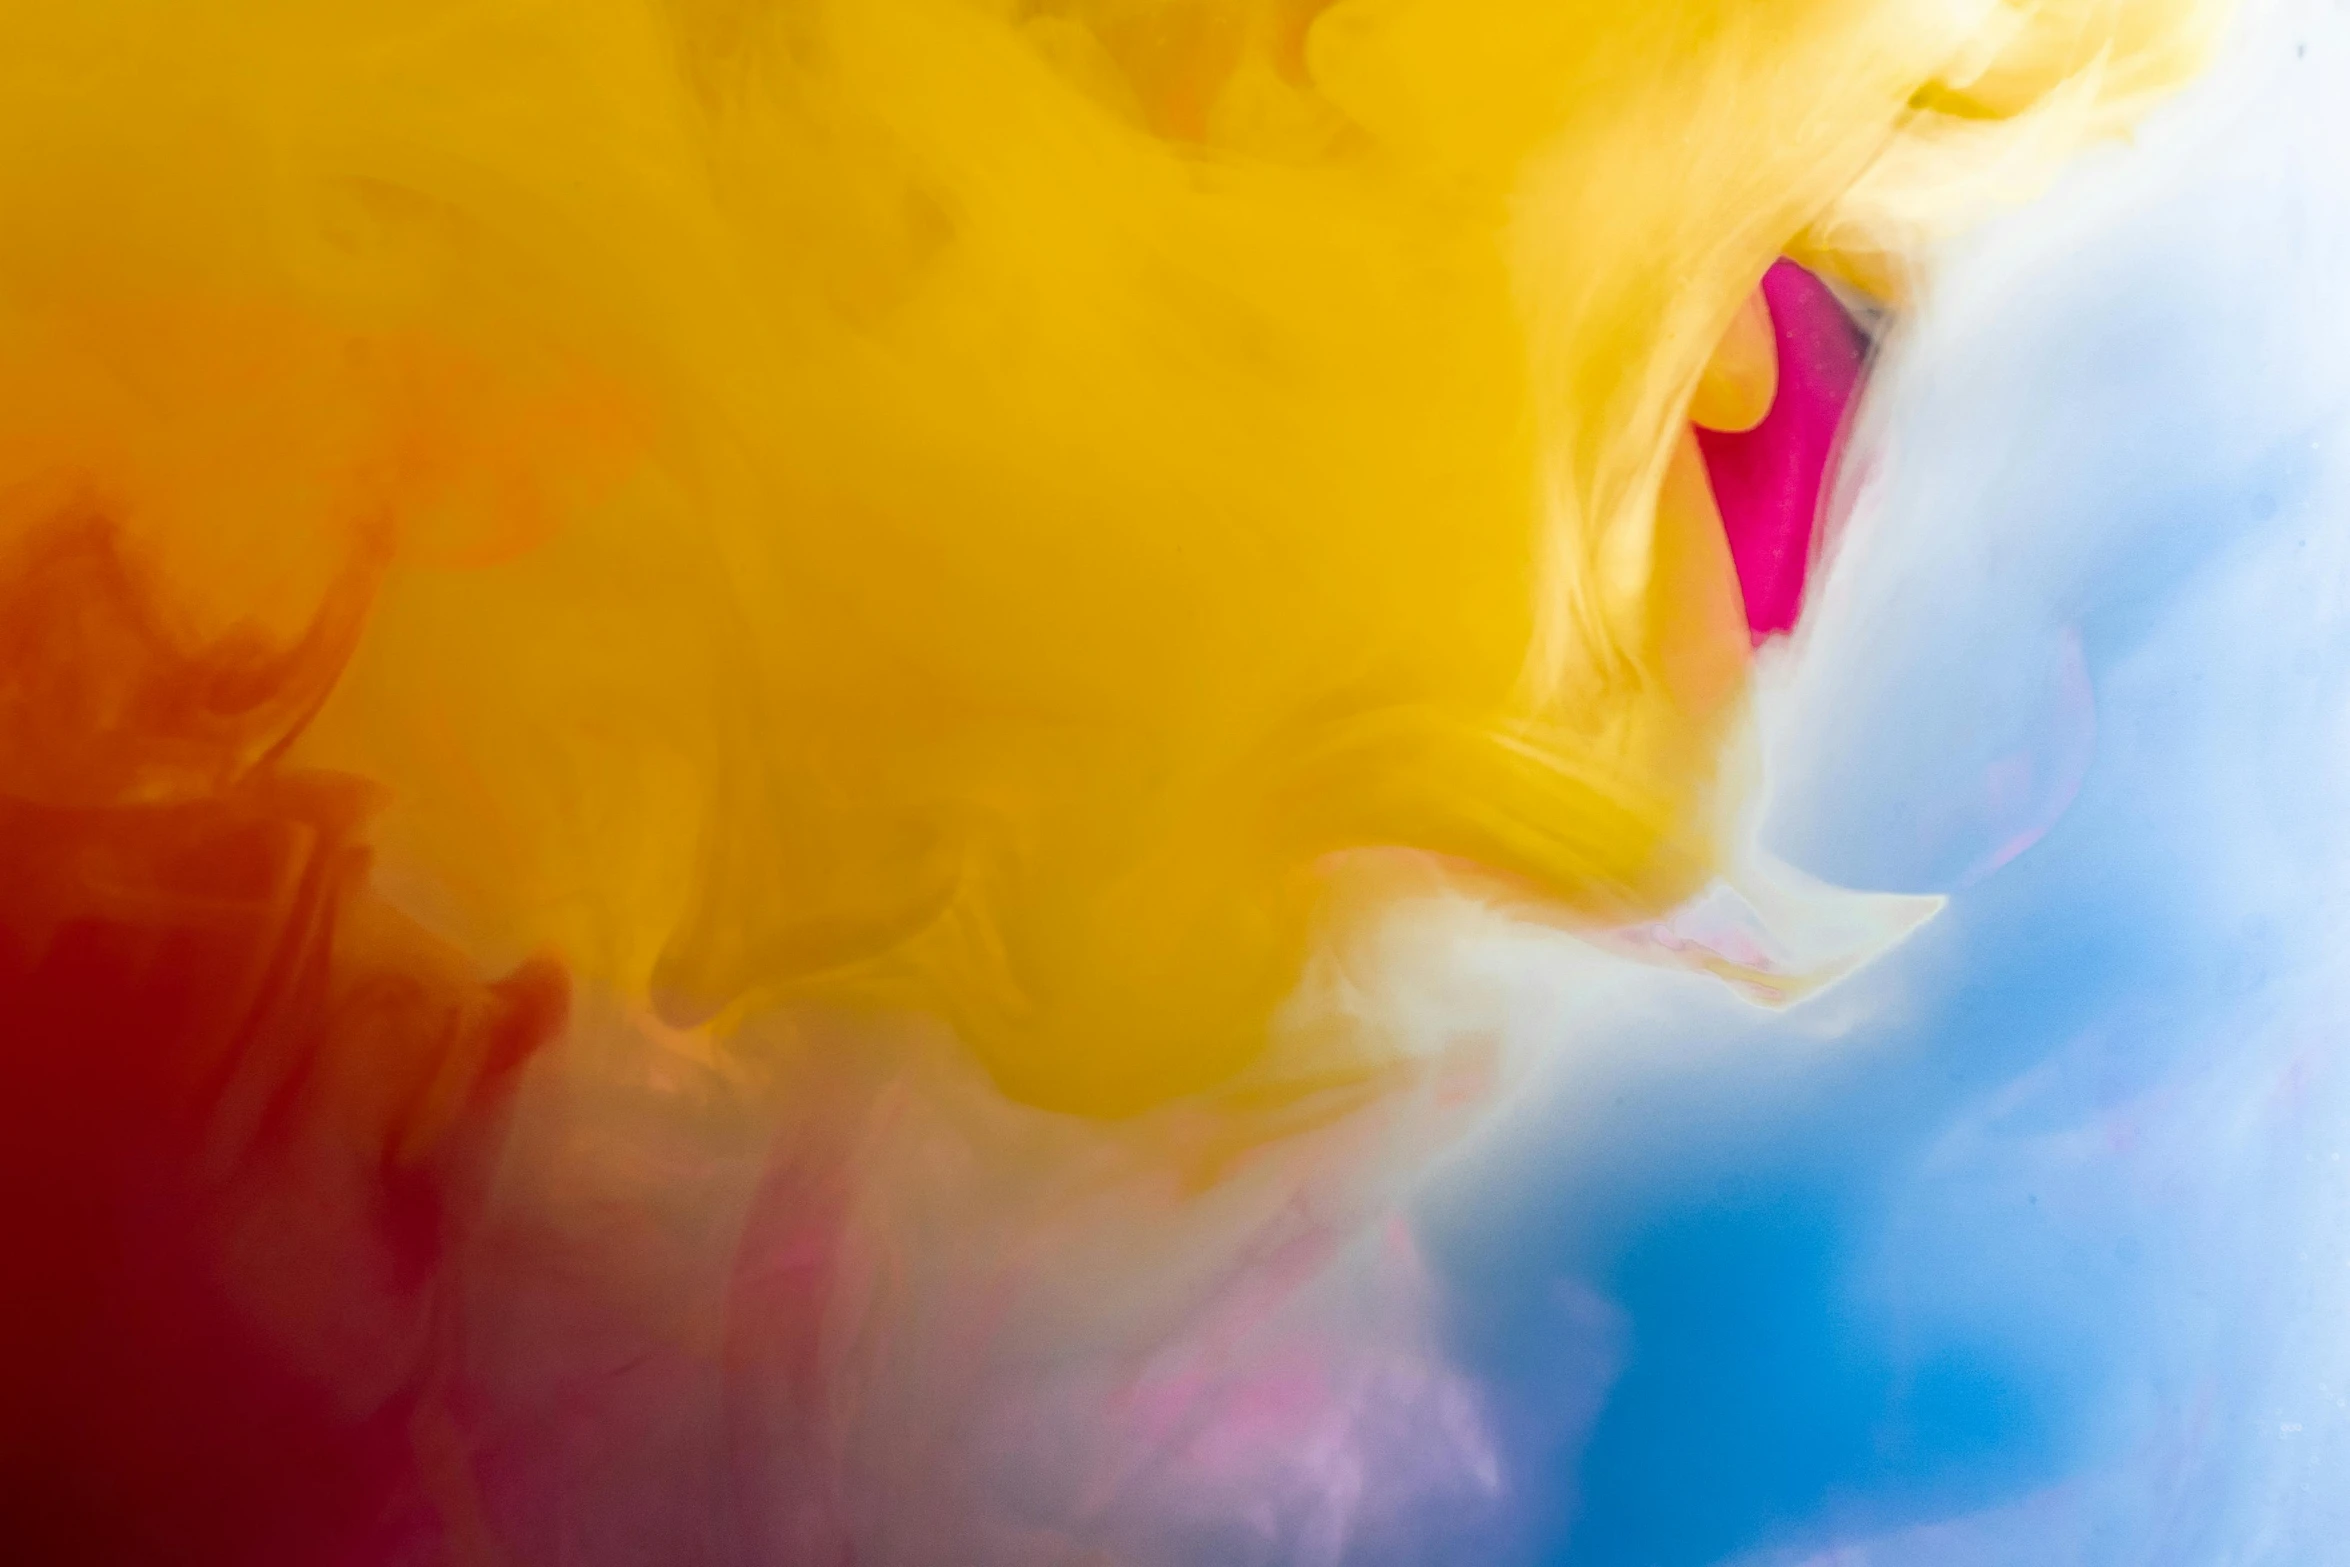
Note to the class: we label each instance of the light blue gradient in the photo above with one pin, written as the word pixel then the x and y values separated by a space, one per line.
pixel 2032 1245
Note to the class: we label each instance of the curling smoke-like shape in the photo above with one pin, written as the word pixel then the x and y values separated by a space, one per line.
pixel 955 502
pixel 916 506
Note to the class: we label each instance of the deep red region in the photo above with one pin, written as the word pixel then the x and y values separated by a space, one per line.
pixel 247 1119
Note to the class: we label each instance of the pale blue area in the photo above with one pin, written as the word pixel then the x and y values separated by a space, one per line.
pixel 2047 1262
